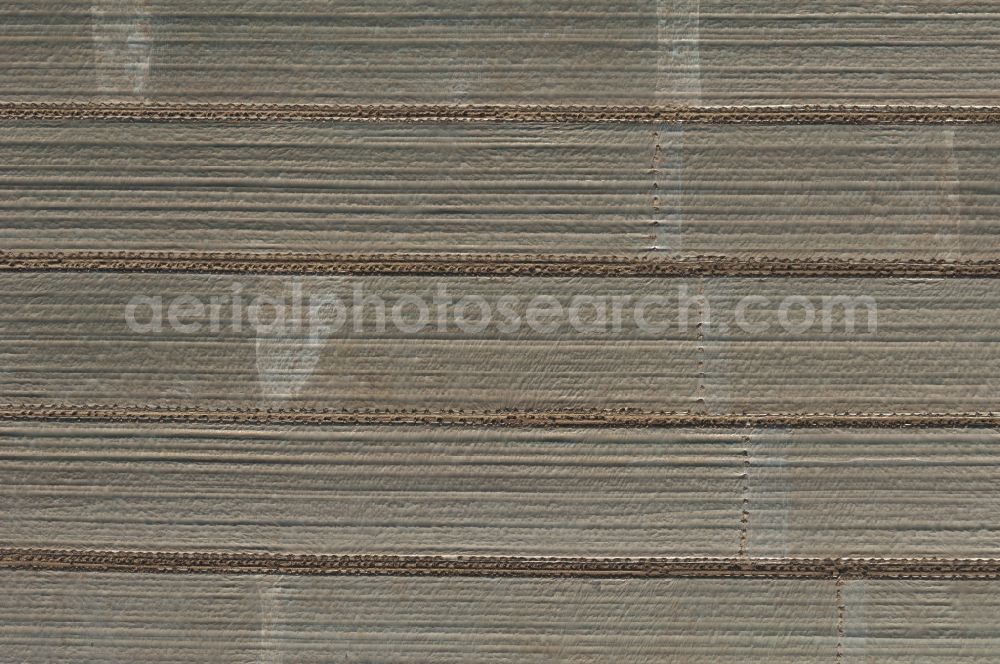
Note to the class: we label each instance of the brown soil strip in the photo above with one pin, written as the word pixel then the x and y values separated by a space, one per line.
pixel 494 566
pixel 239 112
pixel 486 265
pixel 508 418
